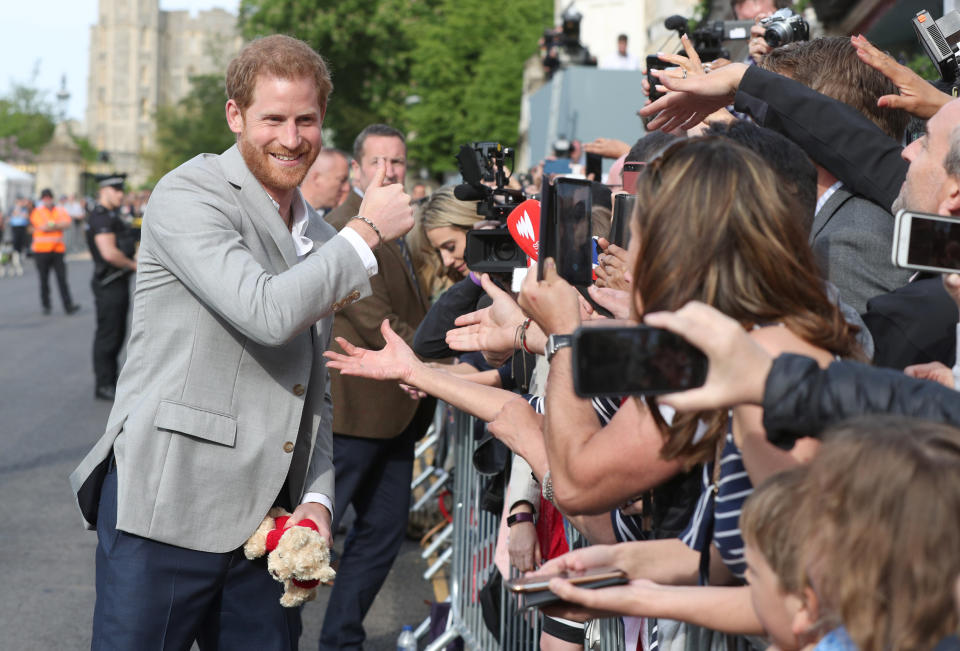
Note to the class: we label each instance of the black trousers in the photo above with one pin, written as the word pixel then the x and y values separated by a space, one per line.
pixel 45 262
pixel 112 302
pixel 374 476
pixel 151 595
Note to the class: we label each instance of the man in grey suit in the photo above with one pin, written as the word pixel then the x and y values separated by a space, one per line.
pixel 851 239
pixel 222 408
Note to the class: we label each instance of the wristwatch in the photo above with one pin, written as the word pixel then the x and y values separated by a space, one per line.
pixel 556 342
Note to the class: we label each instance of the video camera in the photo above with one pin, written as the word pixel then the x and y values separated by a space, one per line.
pixel 708 38
pixel 483 163
pixel 562 46
pixel 939 40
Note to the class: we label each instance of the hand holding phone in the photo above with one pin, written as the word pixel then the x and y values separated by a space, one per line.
pixel 535 590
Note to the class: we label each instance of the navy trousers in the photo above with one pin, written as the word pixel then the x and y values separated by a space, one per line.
pixel 156 596
pixel 373 475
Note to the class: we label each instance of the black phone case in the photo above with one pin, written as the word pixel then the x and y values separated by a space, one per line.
pixel 547 598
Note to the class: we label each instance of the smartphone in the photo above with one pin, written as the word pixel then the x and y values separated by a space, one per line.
pixel 623 205
pixel 654 63
pixel 565 224
pixel 526 584
pixel 638 360
pixel 557 166
pixel 926 242
pixel 573 204
pixel 595 167
pixel 630 173
pixel 535 593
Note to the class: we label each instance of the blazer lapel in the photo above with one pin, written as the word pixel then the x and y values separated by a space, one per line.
pixel 829 209
pixel 258 204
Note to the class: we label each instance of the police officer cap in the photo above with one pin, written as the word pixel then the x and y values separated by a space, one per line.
pixel 114 180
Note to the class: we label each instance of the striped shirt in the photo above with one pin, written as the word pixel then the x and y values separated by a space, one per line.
pixel 716 518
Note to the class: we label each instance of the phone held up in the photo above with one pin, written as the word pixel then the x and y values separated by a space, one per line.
pixel 535 593
pixel 634 360
pixel 926 242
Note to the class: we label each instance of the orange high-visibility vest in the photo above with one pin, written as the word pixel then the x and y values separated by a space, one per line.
pixel 49 241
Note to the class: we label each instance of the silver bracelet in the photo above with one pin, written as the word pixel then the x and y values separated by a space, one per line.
pixel 546 488
pixel 373 226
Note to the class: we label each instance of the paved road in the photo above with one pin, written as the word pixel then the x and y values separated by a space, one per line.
pixel 48 421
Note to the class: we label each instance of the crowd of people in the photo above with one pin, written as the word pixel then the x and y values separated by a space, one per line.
pixel 296 313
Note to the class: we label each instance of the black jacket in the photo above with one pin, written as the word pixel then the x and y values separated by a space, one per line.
pixel 801 399
pixel 834 135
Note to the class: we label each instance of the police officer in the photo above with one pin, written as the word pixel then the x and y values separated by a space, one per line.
pixel 112 246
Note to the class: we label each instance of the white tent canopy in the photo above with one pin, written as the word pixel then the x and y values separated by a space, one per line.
pixel 14 184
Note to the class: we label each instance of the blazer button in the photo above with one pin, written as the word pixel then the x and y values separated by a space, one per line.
pixel 288 447
pixel 298 390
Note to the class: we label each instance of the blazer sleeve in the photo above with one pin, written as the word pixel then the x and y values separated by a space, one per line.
pixel 834 135
pixel 801 399
pixel 189 229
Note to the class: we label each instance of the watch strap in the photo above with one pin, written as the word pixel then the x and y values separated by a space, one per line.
pixel 556 342
pixel 522 516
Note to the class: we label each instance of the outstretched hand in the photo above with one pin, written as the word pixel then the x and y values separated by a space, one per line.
pixel 492 329
pixel 917 97
pixel 694 98
pixel 395 361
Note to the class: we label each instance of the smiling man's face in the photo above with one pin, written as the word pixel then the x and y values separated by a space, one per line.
pixel 279 133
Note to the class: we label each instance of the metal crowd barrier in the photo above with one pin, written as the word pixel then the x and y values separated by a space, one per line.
pixel 469 556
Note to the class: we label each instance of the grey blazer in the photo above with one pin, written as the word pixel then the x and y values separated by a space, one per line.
pixel 224 391
pixel 852 239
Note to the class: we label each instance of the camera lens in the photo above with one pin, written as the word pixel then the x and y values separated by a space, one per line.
pixel 776 35
pixel 505 251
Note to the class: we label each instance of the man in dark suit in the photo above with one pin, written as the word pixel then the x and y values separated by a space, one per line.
pixel 375 424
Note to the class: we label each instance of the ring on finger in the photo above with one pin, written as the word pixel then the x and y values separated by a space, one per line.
pixel 684 74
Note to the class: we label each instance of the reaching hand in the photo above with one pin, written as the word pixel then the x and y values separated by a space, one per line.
pixel 738 365
pixel 935 371
pixel 607 147
pixel 395 361
pixel 387 206
pixel 917 97
pixel 694 98
pixel 553 303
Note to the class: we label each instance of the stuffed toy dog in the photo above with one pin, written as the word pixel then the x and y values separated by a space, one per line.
pixel 298 557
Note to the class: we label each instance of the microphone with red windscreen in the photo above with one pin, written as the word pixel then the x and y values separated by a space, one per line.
pixel 524 226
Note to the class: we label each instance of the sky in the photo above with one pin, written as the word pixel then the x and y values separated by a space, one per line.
pixel 53 36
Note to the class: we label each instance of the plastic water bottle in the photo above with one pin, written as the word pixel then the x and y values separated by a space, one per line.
pixel 407 641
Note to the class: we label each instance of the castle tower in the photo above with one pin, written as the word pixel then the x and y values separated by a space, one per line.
pixel 142 58
pixel 123 84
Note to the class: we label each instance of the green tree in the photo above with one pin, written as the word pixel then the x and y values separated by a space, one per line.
pixel 26 117
pixel 196 124
pixel 366 43
pixel 468 74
